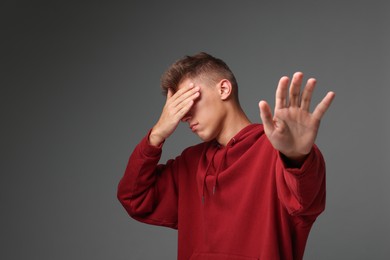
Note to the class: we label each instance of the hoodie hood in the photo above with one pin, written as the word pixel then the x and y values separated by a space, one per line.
pixel 217 158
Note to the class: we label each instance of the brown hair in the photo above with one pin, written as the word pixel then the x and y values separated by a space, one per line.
pixel 200 65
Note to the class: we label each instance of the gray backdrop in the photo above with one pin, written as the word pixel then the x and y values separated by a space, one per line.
pixel 80 88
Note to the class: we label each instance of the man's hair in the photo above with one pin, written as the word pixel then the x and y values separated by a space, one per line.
pixel 201 65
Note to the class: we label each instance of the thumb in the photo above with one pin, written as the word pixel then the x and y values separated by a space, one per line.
pixel 266 116
pixel 169 93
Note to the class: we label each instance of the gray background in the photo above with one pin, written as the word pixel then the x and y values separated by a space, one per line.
pixel 80 87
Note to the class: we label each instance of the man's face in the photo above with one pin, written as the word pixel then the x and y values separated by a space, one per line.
pixel 205 118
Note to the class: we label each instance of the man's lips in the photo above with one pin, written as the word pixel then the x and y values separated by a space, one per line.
pixel 193 127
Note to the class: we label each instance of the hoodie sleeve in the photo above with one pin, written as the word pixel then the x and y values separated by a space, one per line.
pixel 148 190
pixel 302 190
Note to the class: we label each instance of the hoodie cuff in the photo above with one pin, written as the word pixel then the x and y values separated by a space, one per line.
pixel 148 149
pixel 306 164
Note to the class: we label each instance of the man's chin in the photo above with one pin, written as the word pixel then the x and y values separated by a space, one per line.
pixel 204 138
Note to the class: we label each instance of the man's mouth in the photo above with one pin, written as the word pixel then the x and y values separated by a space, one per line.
pixel 193 127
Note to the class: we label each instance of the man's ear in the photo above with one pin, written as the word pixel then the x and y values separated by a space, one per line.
pixel 225 89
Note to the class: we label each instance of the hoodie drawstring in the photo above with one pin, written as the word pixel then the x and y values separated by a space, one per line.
pixel 219 168
pixel 204 178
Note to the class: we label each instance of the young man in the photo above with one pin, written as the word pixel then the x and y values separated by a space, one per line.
pixel 248 191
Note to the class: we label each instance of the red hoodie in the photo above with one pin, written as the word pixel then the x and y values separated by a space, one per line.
pixel 234 202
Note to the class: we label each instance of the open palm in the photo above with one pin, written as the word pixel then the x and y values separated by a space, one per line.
pixel 292 129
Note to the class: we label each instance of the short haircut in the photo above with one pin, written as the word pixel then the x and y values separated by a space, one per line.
pixel 201 65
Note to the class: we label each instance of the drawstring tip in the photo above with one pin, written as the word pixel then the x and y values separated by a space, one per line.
pixel 213 190
pixel 202 199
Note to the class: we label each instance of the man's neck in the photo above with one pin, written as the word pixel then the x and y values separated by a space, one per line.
pixel 233 124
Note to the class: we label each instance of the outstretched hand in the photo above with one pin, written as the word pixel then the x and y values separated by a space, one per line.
pixel 292 129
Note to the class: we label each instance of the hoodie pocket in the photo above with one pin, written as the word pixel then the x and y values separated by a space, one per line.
pixel 219 256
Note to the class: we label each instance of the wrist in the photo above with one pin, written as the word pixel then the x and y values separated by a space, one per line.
pixel 294 161
pixel 155 138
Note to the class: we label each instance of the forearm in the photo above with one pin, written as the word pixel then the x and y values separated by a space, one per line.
pixel 139 178
pixel 148 190
pixel 302 189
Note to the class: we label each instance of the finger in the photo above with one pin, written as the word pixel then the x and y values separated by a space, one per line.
pixel 183 90
pixel 191 94
pixel 184 102
pixel 169 93
pixel 307 94
pixel 281 93
pixel 323 106
pixel 181 113
pixel 295 89
pixel 266 117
